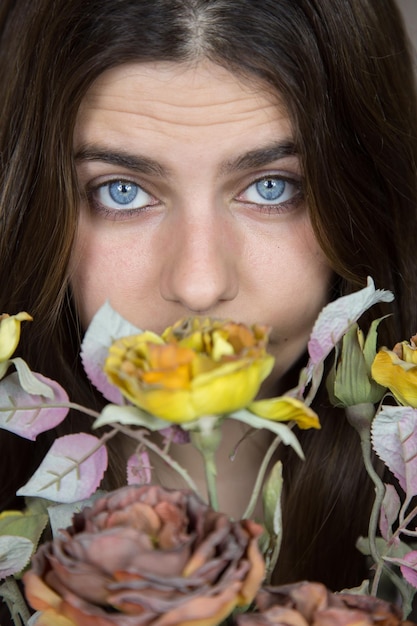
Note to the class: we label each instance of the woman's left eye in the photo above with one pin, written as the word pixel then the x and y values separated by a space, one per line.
pixel 121 195
pixel 270 191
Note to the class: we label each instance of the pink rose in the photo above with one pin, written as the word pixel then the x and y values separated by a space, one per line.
pixel 308 604
pixel 144 555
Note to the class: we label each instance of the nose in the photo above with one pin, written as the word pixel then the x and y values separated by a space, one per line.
pixel 200 267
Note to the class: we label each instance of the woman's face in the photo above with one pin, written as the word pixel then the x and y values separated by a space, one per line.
pixel 193 204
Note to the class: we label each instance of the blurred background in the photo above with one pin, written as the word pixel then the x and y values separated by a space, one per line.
pixel 409 9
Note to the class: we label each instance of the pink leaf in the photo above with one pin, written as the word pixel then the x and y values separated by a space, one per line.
pixel 410 571
pixel 72 470
pixel 337 317
pixel 139 469
pixel 389 511
pixel 394 438
pixel 28 415
pixel 106 326
pixel 175 434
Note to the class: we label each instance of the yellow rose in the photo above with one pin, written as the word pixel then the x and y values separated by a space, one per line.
pixel 397 370
pixel 10 333
pixel 196 367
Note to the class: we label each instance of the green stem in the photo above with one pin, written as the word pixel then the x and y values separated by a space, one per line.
pixel 374 517
pixel 260 478
pixel 15 602
pixel 54 405
pixel 273 558
pixel 404 521
pixel 211 473
pixel 206 438
pixel 360 416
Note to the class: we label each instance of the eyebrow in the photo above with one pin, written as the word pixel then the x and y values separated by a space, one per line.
pixel 258 157
pixel 132 162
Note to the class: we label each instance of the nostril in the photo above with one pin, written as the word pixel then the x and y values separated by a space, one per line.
pixel 201 285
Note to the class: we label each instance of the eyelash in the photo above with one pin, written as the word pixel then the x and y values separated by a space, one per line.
pixel 114 212
pixel 273 206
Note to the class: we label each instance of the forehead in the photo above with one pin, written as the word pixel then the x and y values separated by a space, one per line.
pixel 170 96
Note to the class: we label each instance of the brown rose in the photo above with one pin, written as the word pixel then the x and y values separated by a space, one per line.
pixel 305 604
pixel 144 555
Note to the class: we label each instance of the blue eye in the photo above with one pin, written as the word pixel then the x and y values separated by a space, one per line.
pixel 121 195
pixel 123 192
pixel 270 188
pixel 271 191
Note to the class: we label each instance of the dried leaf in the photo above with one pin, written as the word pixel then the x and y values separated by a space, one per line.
pixel 23 524
pixel 71 471
pixel 128 416
pixel 61 515
pixel 409 571
pixel 389 511
pixel 408 566
pixel 28 415
pixel 139 469
pixel 271 498
pixel 394 438
pixel 337 317
pixel 106 326
pixel 15 553
pixel 287 436
pixel 31 382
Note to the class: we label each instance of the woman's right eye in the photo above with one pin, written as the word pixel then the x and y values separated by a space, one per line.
pixel 120 195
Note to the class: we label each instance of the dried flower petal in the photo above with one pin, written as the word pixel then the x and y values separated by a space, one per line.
pixel 311 604
pixel 146 555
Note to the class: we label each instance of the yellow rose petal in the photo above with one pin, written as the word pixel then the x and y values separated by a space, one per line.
pixel 221 347
pixel 10 333
pixel 286 409
pixel 409 353
pixel 399 376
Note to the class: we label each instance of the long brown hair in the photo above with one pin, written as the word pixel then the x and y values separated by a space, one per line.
pixel 344 71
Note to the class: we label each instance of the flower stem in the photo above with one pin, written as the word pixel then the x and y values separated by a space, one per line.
pixel 15 602
pixel 376 507
pixel 260 478
pixel 210 471
pixel 141 436
pixel 360 416
pixel 206 437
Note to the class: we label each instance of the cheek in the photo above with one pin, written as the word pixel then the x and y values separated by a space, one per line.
pixel 112 261
pixel 297 287
pixel 95 266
